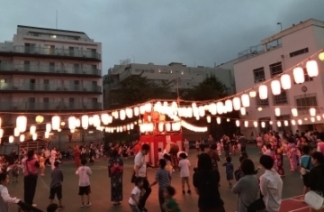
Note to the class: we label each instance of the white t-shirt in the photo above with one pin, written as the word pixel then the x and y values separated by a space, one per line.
pixel 140 161
pixel 137 193
pixel 184 165
pixel 84 173
pixel 6 197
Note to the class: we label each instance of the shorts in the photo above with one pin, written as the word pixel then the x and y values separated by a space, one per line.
pixel 229 176
pixel 56 191
pixel 185 179
pixel 84 190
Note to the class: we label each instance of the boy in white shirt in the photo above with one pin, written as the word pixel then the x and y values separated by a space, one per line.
pixel 136 195
pixel 84 173
pixel 184 165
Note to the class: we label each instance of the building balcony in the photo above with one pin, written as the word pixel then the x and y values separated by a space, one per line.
pixel 50 106
pixel 10 68
pixel 48 88
pixel 31 51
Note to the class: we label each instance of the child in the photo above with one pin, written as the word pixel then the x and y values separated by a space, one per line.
pixel 4 181
pixel 84 173
pixel 56 184
pixel 229 170
pixel 52 208
pixel 184 165
pixel 160 153
pixel 42 164
pixel 305 163
pixel 170 205
pixel 267 150
pixel 136 195
pixel 15 171
pixel 169 166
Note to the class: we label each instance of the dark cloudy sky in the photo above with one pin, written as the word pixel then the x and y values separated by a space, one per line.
pixel 201 32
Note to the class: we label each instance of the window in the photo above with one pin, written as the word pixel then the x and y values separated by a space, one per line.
pixel 284 119
pixel 275 69
pixel 305 102
pixel 281 98
pixel 261 102
pixel 259 75
pixel 298 52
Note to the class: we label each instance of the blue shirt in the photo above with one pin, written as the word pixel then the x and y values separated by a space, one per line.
pixel 306 162
pixel 229 167
pixel 163 178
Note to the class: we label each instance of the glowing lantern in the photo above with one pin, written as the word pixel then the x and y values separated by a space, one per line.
pixel 142 109
pixel 34 137
pixel 237 122
pixel 22 138
pixel 218 120
pixel 161 127
pixel 255 123
pixel 318 118
pixel 299 75
pixel 16 132
pixel 220 107
pixel 229 105
pixel 168 127
pixel 71 123
pixel 236 103
pixel 293 122
pixel 321 56
pixel 294 112
pixel 286 123
pixel 136 111
pixel 259 108
pixel 263 92
pixel 279 123
pixel 312 68
pixel 213 108
pixel 300 122
pixel 21 123
pixel 277 111
pixel 85 121
pixel 270 122
pixel 32 129
pixel 312 119
pixel 246 124
pixel 129 113
pixel 252 94
pixel 11 139
pixel 285 82
pixel 122 114
pixel 263 125
pixel 243 111
pixel 312 111
pixel 208 119
pixel 39 119
pixel 201 110
pixel 56 120
pixel 148 107
pixel 228 120
pixel 275 87
pixel 48 127
pixel 245 100
pixel 1 133
pixel 46 135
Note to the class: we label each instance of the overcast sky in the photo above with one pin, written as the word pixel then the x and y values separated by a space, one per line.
pixel 200 32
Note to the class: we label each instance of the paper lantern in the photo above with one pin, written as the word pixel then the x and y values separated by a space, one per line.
pixel 56 121
pixel 312 119
pixel 11 139
pixel 294 112
pixel 32 129
pixel 285 82
pixel 71 122
pixel 286 123
pixel 263 92
pixel 243 111
pixel 237 122
pixel 321 56
pixel 300 122
pixel 312 111
pixel 245 100
pixel 236 103
pixel 229 105
pixel 129 112
pixel 85 122
pixel 21 123
pixel 1 133
pixel 312 68
pixel 34 137
pixel 263 125
pixel 275 87
pixel 22 138
pixel 16 132
pixel 259 108
pixel 39 119
pixel 255 123
pixel 318 118
pixel 168 127
pixel 213 108
pixel 220 107
pixel 218 120
pixel 277 111
pixel 252 94
pixel 279 123
pixel 246 123
pixel 208 119
pixel 122 114
pixel 201 110
pixel 299 75
pixel 293 122
pixel 270 122
pixel 136 111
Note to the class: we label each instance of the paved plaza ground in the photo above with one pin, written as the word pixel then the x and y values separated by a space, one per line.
pixel 100 186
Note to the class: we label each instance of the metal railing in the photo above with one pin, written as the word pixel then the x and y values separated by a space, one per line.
pixel 50 87
pixel 54 51
pixel 60 106
pixel 10 67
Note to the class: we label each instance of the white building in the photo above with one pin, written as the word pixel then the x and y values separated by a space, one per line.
pixel 278 53
pixel 177 74
pixel 48 71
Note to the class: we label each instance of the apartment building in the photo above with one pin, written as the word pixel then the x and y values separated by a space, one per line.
pixel 274 55
pixel 177 75
pixel 49 71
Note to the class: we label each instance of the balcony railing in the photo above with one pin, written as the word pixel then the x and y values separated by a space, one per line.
pixel 57 106
pixel 49 87
pixel 53 52
pixel 10 67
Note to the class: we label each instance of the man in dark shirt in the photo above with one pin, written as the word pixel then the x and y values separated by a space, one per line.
pixel 243 142
pixel 56 184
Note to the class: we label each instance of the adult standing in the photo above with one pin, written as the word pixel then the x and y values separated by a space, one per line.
pixel 31 166
pixel 243 142
pixel 247 187
pixel 115 171
pixel 53 157
pixel 206 181
pixel 77 156
pixel 278 155
pixel 186 146
pixel 270 185
pixel 140 171
pixel 91 153
pixel 214 156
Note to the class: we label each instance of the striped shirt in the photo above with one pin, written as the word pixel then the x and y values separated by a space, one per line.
pixel 163 178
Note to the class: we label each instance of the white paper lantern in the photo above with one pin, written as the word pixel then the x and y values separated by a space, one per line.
pixel 285 81
pixel 286 123
pixel 318 118
pixel 201 110
pixel 21 123
pixel 218 120
pixel 312 68
pixel 229 105
pixel 208 119
pixel 246 123
pixel 220 107
pixel 245 100
pixel 263 92
pixel 243 111
pixel 293 122
pixel 255 123
pixel 279 123
pixel 16 132
pixel 312 111
pixel 252 94
pixel 237 122
pixel 236 103
pixel 294 112
pixel 56 122
pixel 275 87
pixel 213 108
pixel 168 127
pixel 34 137
pixel 22 138
pixel 1 133
pixel 277 111
pixel 32 129
pixel 136 111
pixel 312 119
pixel 71 122
pixel 263 125
pixel 300 122
pixel 270 122
pixel 299 75
pixel 11 139
pixel 85 122
pixel 122 114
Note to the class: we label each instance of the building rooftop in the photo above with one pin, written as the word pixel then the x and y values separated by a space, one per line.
pixel 50 29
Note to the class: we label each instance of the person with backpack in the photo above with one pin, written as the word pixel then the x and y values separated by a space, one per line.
pixel 115 170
